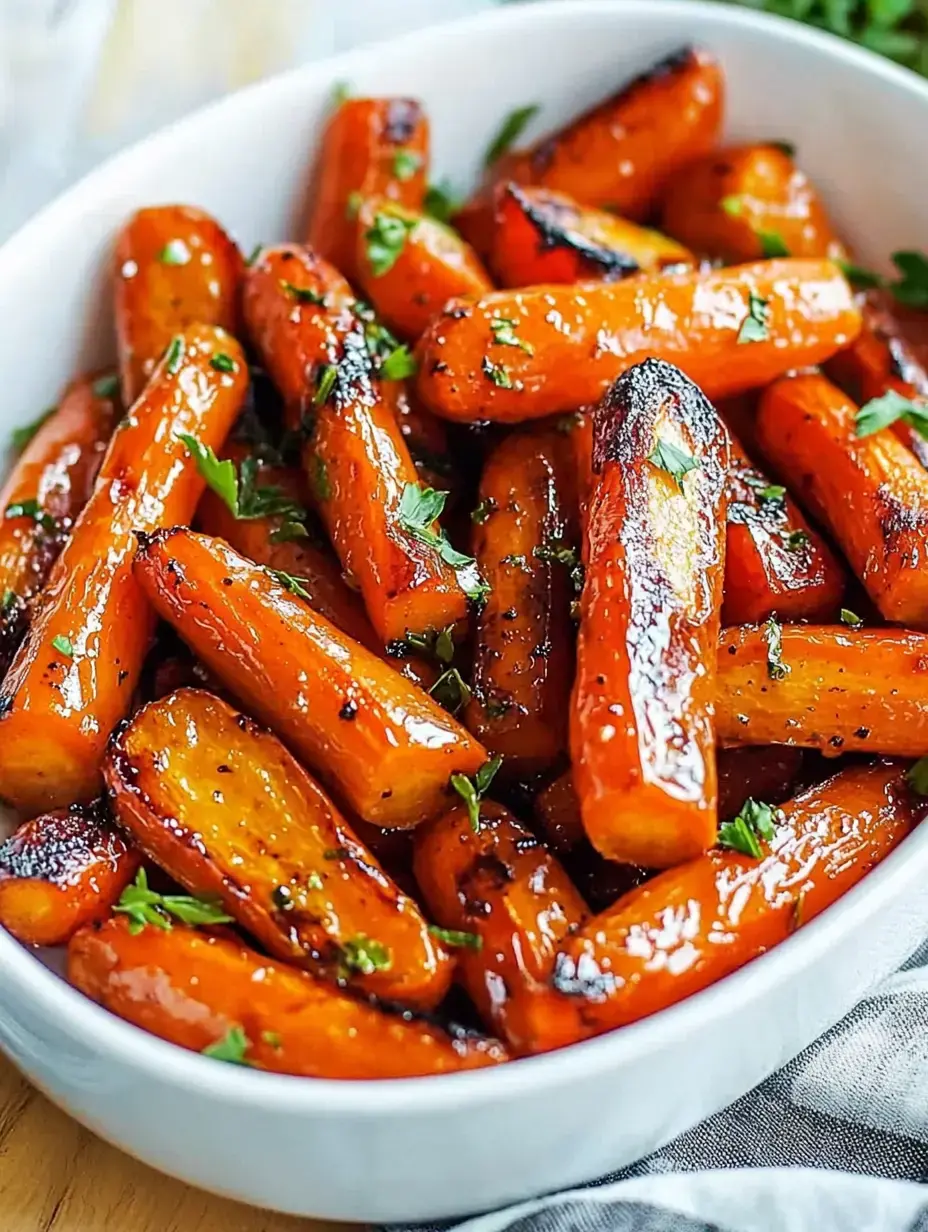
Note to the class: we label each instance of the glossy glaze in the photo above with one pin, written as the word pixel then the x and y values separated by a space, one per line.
pixel 870 492
pixel 358 155
pixel 57 710
pixel 60 871
pixel 502 885
pixel 641 738
pixel 376 739
pixel 584 336
pixel 192 987
pixel 57 470
pixel 356 459
pixel 219 803
pixel 764 192
pixel 523 655
pixel 174 266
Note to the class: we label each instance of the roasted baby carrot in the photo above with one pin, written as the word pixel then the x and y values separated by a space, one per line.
pixel 542 236
pixel 324 357
pixel 60 871
pixel 409 265
pixel 73 678
pixel 869 491
pixel 747 202
pixel 641 737
pixel 729 330
pixel 831 688
pixel 213 995
pixel 768 772
pixel 426 439
pixel 371 147
pixel 383 745
pixel 693 925
pixel 526 545
pixel 174 267
pixel 513 904
pixel 47 488
pixel 181 777
pixel 774 561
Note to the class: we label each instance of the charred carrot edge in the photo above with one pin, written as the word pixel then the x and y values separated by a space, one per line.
pixel 61 871
pixel 383 745
pixel 691 926
pixel 46 490
pixel 870 491
pixel 211 994
pixel 641 738
pixel 74 676
pixel 174 267
pixel 514 903
pixel 729 330
pixel 371 147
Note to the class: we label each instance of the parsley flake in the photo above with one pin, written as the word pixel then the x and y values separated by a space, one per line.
pixel 362 955
pixel 851 619
pixel 472 791
pixel 420 508
pixel 174 355
pixel 483 510
pixel 510 130
pixel 405 164
pixel 440 202
pixel 917 777
pixel 231 1048
pixel 384 241
pixel 304 295
pixel 498 374
pixel 771 242
pixel 456 938
pixel 773 636
pixel 325 384
pixel 504 334
pixel 175 252
pixel 8 602
pixel 290 583
pixel 222 362
pixel 238 491
pixel 754 822
pixel 754 326
pixel 20 437
pixel 667 457
pixel 767 493
pixel 63 645
pixel 398 365
pixel 144 906
pixel 796 539
pixel 890 407
pixel 106 386
pixel 451 690
pixel 31 509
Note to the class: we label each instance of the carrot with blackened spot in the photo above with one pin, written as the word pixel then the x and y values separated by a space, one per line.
pixel 641 736
pixel 174 266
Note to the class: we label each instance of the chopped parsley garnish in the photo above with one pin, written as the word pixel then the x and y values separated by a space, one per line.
pixel 106 386
pixel 754 822
pixel 797 539
pixel 767 493
pixel 451 690
pixel 862 278
pixel 773 636
pixel 237 488
pixel 174 355
pixel 504 334
pixel 497 373
pixel 420 508
pixel 910 288
pixel 510 130
pixel 888 409
pixel 785 147
pixel 398 365
pixel 667 457
pixel 473 790
pixel 406 163
pixel 384 241
pixel 63 645
pixel 304 295
pixel 325 384
pixel 851 619
pixel 8 602
pixel 175 252
pixel 290 583
pixel 440 202
pixel 254 254
pixel 287 532
pixel 364 956
pixel 231 1048
pixel 483 510
pixel 20 437
pixel 771 242
pixel 754 326
pixel 456 938
pixel 144 906
pixel 319 478
pixel 222 362
pixel 917 777
pixel 437 643
pixel 271 1038
pixel 566 554
pixel 31 509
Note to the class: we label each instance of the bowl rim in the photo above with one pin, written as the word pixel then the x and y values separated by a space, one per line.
pixel 99 1030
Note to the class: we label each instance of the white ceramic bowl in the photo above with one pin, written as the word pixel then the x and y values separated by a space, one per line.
pixel 425 1148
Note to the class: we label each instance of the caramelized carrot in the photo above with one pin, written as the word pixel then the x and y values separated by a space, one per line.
pixel 747 202
pixel 199 990
pixel 542 236
pixel 774 561
pixel 371 147
pixel 46 490
pixel 557 811
pixel 642 744
pixel 409 265
pixel 381 743
pixel 514 903
pixel 60 871
pixel 842 690
pixel 525 542
pixel 174 267
pixel 73 678
pixel 869 491
pixel 768 772
pixel 182 776
pixel 729 330
pixel 303 318
pixel 693 925
pixel 426 438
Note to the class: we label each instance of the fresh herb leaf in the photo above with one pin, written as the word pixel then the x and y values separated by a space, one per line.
pixel 732 206
pixel 767 493
pixel 31 509
pixel 473 790
pixel 174 355
pixel 674 461
pixel 771 243
pixel 363 955
pixel 438 644
pixel 880 412
pixel 754 822
pixel 384 241
pixel 483 510
pixel 106 386
pixel 271 1038
pixel 498 374
pixel 406 163
pixel 220 476
pixel 773 636
pixel 420 508
pixel 440 202
pixel 796 539
pixel 175 252
pixel 8 602
pixel 328 375
pixel 222 362
pixel 456 938
pixel 504 334
pixel 290 583
pixel 238 490
pixel 510 130
pixel 145 906
pixel 319 478
pixel 911 288
pixel 487 773
pixel 851 619
pixel 63 645
pixel 754 326
pixel 231 1048
pixel 20 437
pixel 305 295
pixel 288 532
pixel 558 552
pixel 917 777
pixel 863 278
pixel 254 254
pixel 451 690
pixel 785 147
pixel 398 365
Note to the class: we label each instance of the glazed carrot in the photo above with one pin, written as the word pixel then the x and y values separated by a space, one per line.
pixel 302 316
pixel 693 925
pixel 203 991
pixel 768 772
pixel 869 491
pixel 557 811
pixel 843 690
pixel 409 265
pixel 182 776
pixel 747 202
pixel 514 903
pixel 728 330
pixel 642 744
pixel 371 147
pixel 525 542
pixel 426 438
pixel 46 490
pixel 174 266
pixel 60 871
pixel 381 743
pixel 73 678
pixel 542 236
pixel 774 561
pixel 739 414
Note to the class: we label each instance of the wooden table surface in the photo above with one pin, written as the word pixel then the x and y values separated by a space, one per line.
pixel 56 1176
